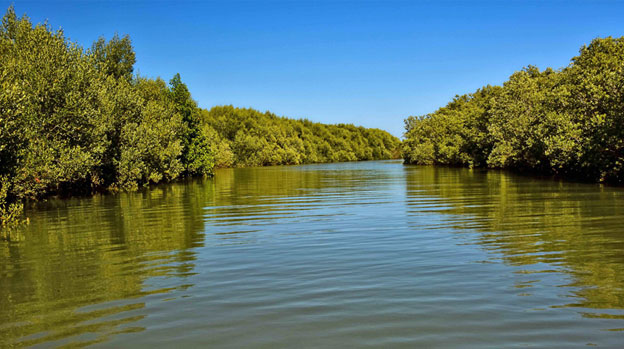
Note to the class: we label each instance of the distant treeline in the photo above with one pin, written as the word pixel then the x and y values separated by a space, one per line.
pixel 76 121
pixel 246 137
pixel 567 122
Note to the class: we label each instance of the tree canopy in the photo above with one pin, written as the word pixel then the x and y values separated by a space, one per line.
pixel 76 121
pixel 567 122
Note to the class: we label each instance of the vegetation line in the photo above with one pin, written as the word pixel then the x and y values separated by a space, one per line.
pixel 567 122
pixel 76 121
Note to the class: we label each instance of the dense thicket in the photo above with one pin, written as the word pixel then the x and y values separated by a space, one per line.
pixel 246 137
pixel 566 122
pixel 77 121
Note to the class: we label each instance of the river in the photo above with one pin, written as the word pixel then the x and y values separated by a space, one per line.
pixel 361 254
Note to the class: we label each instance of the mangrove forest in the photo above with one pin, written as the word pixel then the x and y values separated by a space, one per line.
pixel 78 121
pixel 567 122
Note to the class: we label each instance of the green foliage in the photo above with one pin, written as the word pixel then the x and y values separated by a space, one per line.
pixel 150 148
pixel 197 155
pixel 252 138
pixel 115 57
pixel 10 211
pixel 566 122
pixel 52 130
pixel 75 121
pixel 455 135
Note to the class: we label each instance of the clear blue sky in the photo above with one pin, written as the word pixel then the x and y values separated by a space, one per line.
pixel 367 63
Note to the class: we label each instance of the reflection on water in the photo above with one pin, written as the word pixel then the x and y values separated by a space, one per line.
pixel 86 266
pixel 543 225
pixel 351 254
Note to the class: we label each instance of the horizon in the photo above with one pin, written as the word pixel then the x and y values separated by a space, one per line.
pixel 370 64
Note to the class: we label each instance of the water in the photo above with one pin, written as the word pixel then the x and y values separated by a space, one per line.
pixel 369 254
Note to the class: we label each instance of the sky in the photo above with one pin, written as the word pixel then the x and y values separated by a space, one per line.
pixel 370 63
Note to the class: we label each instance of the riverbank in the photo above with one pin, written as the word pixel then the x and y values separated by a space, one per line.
pixel 79 121
pixel 565 122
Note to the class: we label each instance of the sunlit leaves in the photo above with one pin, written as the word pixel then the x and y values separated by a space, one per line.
pixel 75 121
pixel 567 122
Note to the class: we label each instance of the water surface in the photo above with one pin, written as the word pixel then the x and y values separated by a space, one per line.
pixel 368 254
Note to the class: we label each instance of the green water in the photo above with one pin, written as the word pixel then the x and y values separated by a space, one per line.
pixel 369 254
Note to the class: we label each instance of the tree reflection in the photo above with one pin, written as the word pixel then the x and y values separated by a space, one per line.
pixel 84 264
pixel 573 227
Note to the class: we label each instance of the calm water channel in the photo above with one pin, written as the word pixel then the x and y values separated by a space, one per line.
pixel 368 254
